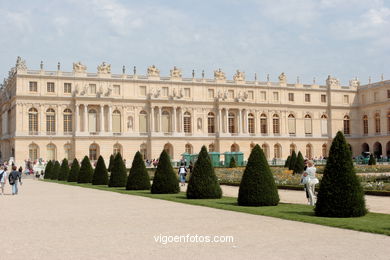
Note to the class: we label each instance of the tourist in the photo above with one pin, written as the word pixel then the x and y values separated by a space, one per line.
pixel 13 180
pixel 3 179
pixel 182 174
pixel 310 174
pixel 304 187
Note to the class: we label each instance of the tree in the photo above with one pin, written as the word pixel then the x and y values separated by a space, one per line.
pixel 340 194
pixel 64 171
pixel 100 175
pixel 138 177
pixel 299 164
pixel 56 170
pixel 287 163
pixel 86 171
pixel 203 183
pixel 48 170
pixel 257 187
pixel 118 172
pixel 165 180
pixel 74 171
pixel 372 160
pixel 232 163
pixel 293 160
pixel 111 163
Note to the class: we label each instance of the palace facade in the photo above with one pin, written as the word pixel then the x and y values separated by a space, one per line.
pixel 57 114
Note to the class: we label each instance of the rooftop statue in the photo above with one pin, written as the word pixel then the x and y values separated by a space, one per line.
pixel 219 74
pixel 175 73
pixel 354 83
pixel 332 82
pixel 79 67
pixel 20 64
pixel 282 78
pixel 239 76
pixel 104 68
pixel 153 71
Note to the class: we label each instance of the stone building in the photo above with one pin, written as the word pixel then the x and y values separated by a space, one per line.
pixel 57 114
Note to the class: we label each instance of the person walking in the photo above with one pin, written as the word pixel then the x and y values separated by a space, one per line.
pixel 3 179
pixel 13 178
pixel 182 174
pixel 304 186
pixel 311 182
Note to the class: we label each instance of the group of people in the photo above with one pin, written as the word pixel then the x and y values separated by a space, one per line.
pixel 150 163
pixel 309 180
pixel 14 178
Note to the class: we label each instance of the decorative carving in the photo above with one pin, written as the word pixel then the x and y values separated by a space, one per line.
pixel 155 92
pixel 20 64
pixel 354 83
pixel 104 68
pixel 239 76
pixel 242 96
pixel 108 91
pixel 79 67
pixel 282 78
pixel 130 123
pixel 199 123
pixel 175 73
pixel 332 82
pixel 219 74
pixel 153 71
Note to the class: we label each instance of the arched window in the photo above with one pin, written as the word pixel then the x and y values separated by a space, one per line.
pixel 211 123
pixel 117 149
pixel 251 123
pixel 187 122
pixel 68 121
pixel 33 152
pixel 143 121
pixel 51 152
pixel 165 122
pixel 276 124
pixel 377 123
pixel 324 125
pixel 234 148
pixel 265 150
pixel 308 125
pixel 291 124
pixel 144 151
pixel 231 122
pixel 324 150
pixel 277 151
pixel 263 124
pixel 251 146
pixel 33 121
pixel 50 121
pixel 169 149
pixel 68 151
pixel 188 148
pixel 93 152
pixel 211 148
pixel 309 153
pixel 365 147
pixel 116 121
pixel 92 122
pixel 292 148
pixel 365 124
pixel 388 122
pixel 347 126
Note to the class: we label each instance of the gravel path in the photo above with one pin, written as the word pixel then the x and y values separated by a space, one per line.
pixel 54 221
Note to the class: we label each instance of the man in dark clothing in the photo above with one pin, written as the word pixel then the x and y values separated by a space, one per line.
pixel 13 178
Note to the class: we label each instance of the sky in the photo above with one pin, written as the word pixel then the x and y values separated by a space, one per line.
pixel 303 38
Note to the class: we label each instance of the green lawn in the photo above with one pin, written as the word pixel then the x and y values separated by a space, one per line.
pixel 372 222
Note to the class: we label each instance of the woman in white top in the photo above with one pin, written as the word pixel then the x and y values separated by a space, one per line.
pixel 311 182
pixel 3 179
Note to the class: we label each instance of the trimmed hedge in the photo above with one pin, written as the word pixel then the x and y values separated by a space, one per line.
pixel 138 177
pixel 74 171
pixel 56 170
pixel 165 180
pixel 86 171
pixel 48 170
pixel 118 175
pixel 64 171
pixel 100 174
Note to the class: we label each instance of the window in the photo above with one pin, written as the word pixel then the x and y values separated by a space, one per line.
pixel 144 151
pixel 210 123
pixel 377 123
pixel 142 91
pixel 92 88
pixel 50 121
pixel 187 122
pixel 143 122
pixel 93 152
pixel 307 97
pixel 365 124
pixel 68 151
pixel 292 148
pixel 275 124
pixel 375 96
pixel 187 92
pixel 33 121
pixel 50 87
pixel 165 91
pixel 211 93
pixel 308 125
pixel 276 96
pixel 347 129
pixel 324 150
pixel 33 86
pixel 263 96
pixel 117 90
pixel 211 148
pixel 231 122
pixel 67 121
pixel 230 94
pixel 51 152
pixel 117 149
pixel 323 98
pixel 346 99
pixel 277 151
pixel 250 95
pixel 234 148
pixel 263 124
pixel 309 153
pixel 251 123
pixel 324 125
pixel 92 122
pixel 188 149
pixel 265 150
pixel 290 96
pixel 116 122
pixel 33 152
pixel 291 124
pixel 68 88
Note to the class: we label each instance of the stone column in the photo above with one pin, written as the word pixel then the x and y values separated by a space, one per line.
pixel 239 121
pixel 220 120
pixel 152 129
pixel 76 118
pixel 109 119
pixel 101 119
pixel 159 119
pixel 174 120
pixel 246 121
pixel 41 124
pixel 226 120
pixel 85 118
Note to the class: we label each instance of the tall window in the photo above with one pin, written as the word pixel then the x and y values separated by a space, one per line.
pixel 377 123
pixel 33 152
pixel 211 148
pixel 51 152
pixel 67 120
pixel 92 122
pixel 116 121
pixel 307 97
pixel 324 150
pixel 324 125
pixel 50 87
pixel 144 151
pixel 187 122
pixel 117 149
pixel 365 124
pixel 210 123
pixel 68 151
pixel 347 126
pixel 117 90
pixel 265 150
pixel 33 121
pixel 251 123
pixel 309 154
pixel 231 122
pixel 290 96
pixel 263 124
pixel 276 96
pixel 308 125
pixel 93 152
pixel 142 122
pixel 92 88
pixel 276 124
pixel 323 98
pixel 277 151
pixel 291 124
pixel 68 88
pixel 292 148
pixel 188 148
pixel 165 121
pixel 50 121
pixel 33 86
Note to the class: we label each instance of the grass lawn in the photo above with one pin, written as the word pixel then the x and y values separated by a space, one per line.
pixel 372 222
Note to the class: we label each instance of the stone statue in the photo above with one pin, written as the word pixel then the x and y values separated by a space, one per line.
pixel 104 68
pixel 84 90
pixel 108 91
pixel 332 82
pixel 20 64
pixel 282 78
pixel 174 92
pixel 225 95
pixel 354 83
pixel 175 73
pixel 239 76
pixel 153 71
pixel 78 67
pixel 155 92
pixel 199 123
pixel 181 93
pixel 219 74
pixel 130 123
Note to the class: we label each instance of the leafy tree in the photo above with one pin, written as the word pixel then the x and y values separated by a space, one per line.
pixel 138 177
pixel 299 164
pixel 340 194
pixel 111 163
pixel 64 171
pixel 74 171
pixel 257 187
pixel 100 175
pixel 287 163
pixel 293 160
pixel 203 183
pixel 48 170
pixel 372 160
pixel 86 171
pixel 56 170
pixel 232 163
pixel 165 180
pixel 118 172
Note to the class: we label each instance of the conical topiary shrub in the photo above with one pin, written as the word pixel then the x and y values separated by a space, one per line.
pixel 340 194
pixel 372 160
pixel 48 170
pixel 86 171
pixel 74 171
pixel 287 162
pixel 138 177
pixel 165 180
pixel 257 187
pixel 293 160
pixel 299 164
pixel 111 162
pixel 64 171
pixel 118 172
pixel 203 183
pixel 100 175
pixel 232 163
pixel 56 170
